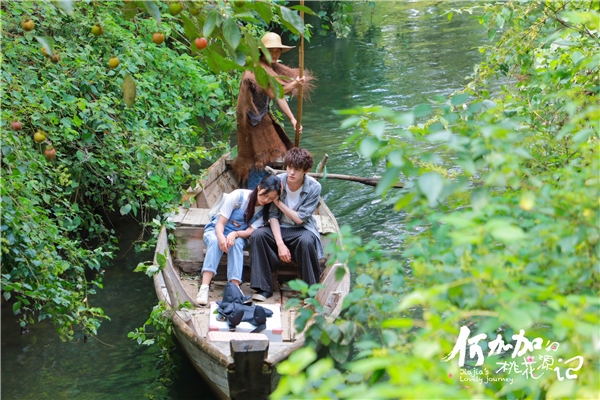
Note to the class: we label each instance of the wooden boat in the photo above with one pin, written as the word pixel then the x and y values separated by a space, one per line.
pixel 238 365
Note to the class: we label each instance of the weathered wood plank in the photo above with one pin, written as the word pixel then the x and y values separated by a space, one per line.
pixel 329 282
pixel 327 225
pixel 248 379
pixel 189 244
pixel 177 218
pixel 196 217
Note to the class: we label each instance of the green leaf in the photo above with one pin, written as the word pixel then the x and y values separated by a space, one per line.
pixel 298 285
pixel 66 6
pixel 508 233
pixel 231 33
pixel 129 10
pixel 397 323
pixel 431 184
pixel 339 352
pixel 368 146
pixel 339 273
pixel 352 121
pixel 304 9
pixel 211 22
pixel 561 389
pixel 264 10
pixel 191 32
pixel 262 77
pixel 152 270
pixel 404 119
pixel 153 10
pixel 16 307
pixel 125 209
pixel 292 20
pixel 479 198
pixel 364 280
pixel 161 259
pixel 422 110
pixel 459 99
pixel 389 178
pixel 377 128
pixel 129 91
pixel 291 303
pixel 47 42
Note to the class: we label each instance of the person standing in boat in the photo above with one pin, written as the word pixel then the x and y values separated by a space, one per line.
pixel 261 139
pixel 292 234
pixel 241 213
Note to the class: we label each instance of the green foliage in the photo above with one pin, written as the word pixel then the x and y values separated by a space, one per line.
pixel 109 157
pixel 158 330
pixel 502 194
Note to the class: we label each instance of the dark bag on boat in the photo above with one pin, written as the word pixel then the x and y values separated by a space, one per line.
pixel 234 308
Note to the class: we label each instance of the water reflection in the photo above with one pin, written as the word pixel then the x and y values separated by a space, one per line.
pixel 399 55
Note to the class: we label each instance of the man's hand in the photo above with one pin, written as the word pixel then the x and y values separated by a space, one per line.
pixel 284 253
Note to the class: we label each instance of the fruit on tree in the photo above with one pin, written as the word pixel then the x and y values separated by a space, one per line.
pixel 239 3
pixel 44 52
pixel 55 58
pixel 158 38
pixel 50 153
pixel 27 25
pixel 97 30
pixel 39 136
pixel 16 125
pixel 201 42
pixel 194 11
pixel 113 62
pixel 175 8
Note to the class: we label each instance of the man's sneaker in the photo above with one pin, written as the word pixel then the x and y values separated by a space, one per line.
pixel 202 297
pixel 261 295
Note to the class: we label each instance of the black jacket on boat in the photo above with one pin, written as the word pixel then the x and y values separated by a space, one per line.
pixel 235 308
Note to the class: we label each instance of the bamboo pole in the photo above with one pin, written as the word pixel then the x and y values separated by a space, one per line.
pixel 300 75
pixel 323 162
pixel 366 181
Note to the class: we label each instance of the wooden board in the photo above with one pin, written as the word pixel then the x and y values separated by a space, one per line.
pixel 177 218
pixel 196 217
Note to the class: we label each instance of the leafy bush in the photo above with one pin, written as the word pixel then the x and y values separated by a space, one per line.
pixel 109 157
pixel 508 237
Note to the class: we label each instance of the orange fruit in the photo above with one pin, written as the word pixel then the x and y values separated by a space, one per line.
pixel 201 43
pixel 50 153
pixel 158 38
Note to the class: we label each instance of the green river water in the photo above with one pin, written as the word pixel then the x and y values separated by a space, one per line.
pixel 399 54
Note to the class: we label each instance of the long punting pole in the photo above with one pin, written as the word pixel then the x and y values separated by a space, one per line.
pixel 300 75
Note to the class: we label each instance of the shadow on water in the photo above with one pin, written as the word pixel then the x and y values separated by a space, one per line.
pixel 398 55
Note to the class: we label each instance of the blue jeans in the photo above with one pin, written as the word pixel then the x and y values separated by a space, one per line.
pixel 235 255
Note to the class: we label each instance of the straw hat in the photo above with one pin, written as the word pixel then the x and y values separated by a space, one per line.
pixel 271 40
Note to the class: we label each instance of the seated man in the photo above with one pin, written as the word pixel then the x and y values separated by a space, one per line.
pixel 293 233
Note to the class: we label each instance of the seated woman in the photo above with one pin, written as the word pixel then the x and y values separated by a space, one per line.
pixel 229 230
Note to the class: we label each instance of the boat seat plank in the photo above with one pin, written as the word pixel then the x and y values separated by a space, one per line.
pixel 196 217
pixel 178 218
pixel 217 336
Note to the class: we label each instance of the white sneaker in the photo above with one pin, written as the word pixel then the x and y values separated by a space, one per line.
pixel 202 296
